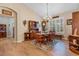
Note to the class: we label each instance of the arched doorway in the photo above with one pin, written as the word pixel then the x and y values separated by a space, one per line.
pixel 8 23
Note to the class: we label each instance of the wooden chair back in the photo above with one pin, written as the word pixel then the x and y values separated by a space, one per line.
pixel 39 38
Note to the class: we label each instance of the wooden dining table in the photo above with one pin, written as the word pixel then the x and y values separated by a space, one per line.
pixel 45 35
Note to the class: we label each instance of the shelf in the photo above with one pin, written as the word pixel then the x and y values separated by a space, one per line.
pixel 73 44
pixel 74 47
pixel 75 35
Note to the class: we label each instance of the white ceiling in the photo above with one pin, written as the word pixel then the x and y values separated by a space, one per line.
pixel 53 8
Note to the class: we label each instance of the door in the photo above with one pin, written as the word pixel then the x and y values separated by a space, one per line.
pixel 75 22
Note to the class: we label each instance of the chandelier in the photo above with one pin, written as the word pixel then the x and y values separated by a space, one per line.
pixel 47 17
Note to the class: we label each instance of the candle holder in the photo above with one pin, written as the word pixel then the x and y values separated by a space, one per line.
pixel 24 22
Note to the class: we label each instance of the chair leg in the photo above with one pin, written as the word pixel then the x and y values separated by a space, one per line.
pixel 36 43
pixel 40 44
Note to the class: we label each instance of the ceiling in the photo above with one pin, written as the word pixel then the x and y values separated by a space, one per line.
pixel 53 8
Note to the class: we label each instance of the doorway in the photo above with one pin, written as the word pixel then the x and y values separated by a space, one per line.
pixel 8 23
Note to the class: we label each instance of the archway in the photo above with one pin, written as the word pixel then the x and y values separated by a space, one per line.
pixel 10 16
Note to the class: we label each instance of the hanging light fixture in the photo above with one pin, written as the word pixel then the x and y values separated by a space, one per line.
pixel 47 11
pixel 47 17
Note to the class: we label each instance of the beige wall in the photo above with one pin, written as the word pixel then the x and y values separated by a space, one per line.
pixel 23 12
pixel 67 28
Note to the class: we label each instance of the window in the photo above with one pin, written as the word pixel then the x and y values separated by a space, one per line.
pixel 56 25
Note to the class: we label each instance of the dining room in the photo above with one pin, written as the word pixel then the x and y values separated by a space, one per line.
pixel 52 32
pixel 42 30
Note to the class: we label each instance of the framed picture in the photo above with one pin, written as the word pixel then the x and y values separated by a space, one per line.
pixel 69 21
pixel 6 12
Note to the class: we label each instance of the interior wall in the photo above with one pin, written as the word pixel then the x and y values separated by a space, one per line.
pixel 67 28
pixel 3 20
pixel 10 25
pixel 23 13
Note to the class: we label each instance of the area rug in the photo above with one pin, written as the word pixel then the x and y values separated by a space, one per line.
pixel 46 47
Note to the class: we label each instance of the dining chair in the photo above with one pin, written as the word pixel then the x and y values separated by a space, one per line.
pixel 50 38
pixel 39 39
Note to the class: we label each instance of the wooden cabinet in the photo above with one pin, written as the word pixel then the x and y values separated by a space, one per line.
pixel 2 30
pixel 26 36
pixel 2 34
pixel 32 26
pixel 74 38
pixel 74 43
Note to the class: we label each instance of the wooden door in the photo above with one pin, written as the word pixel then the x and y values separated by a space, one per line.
pixel 2 30
pixel 75 22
